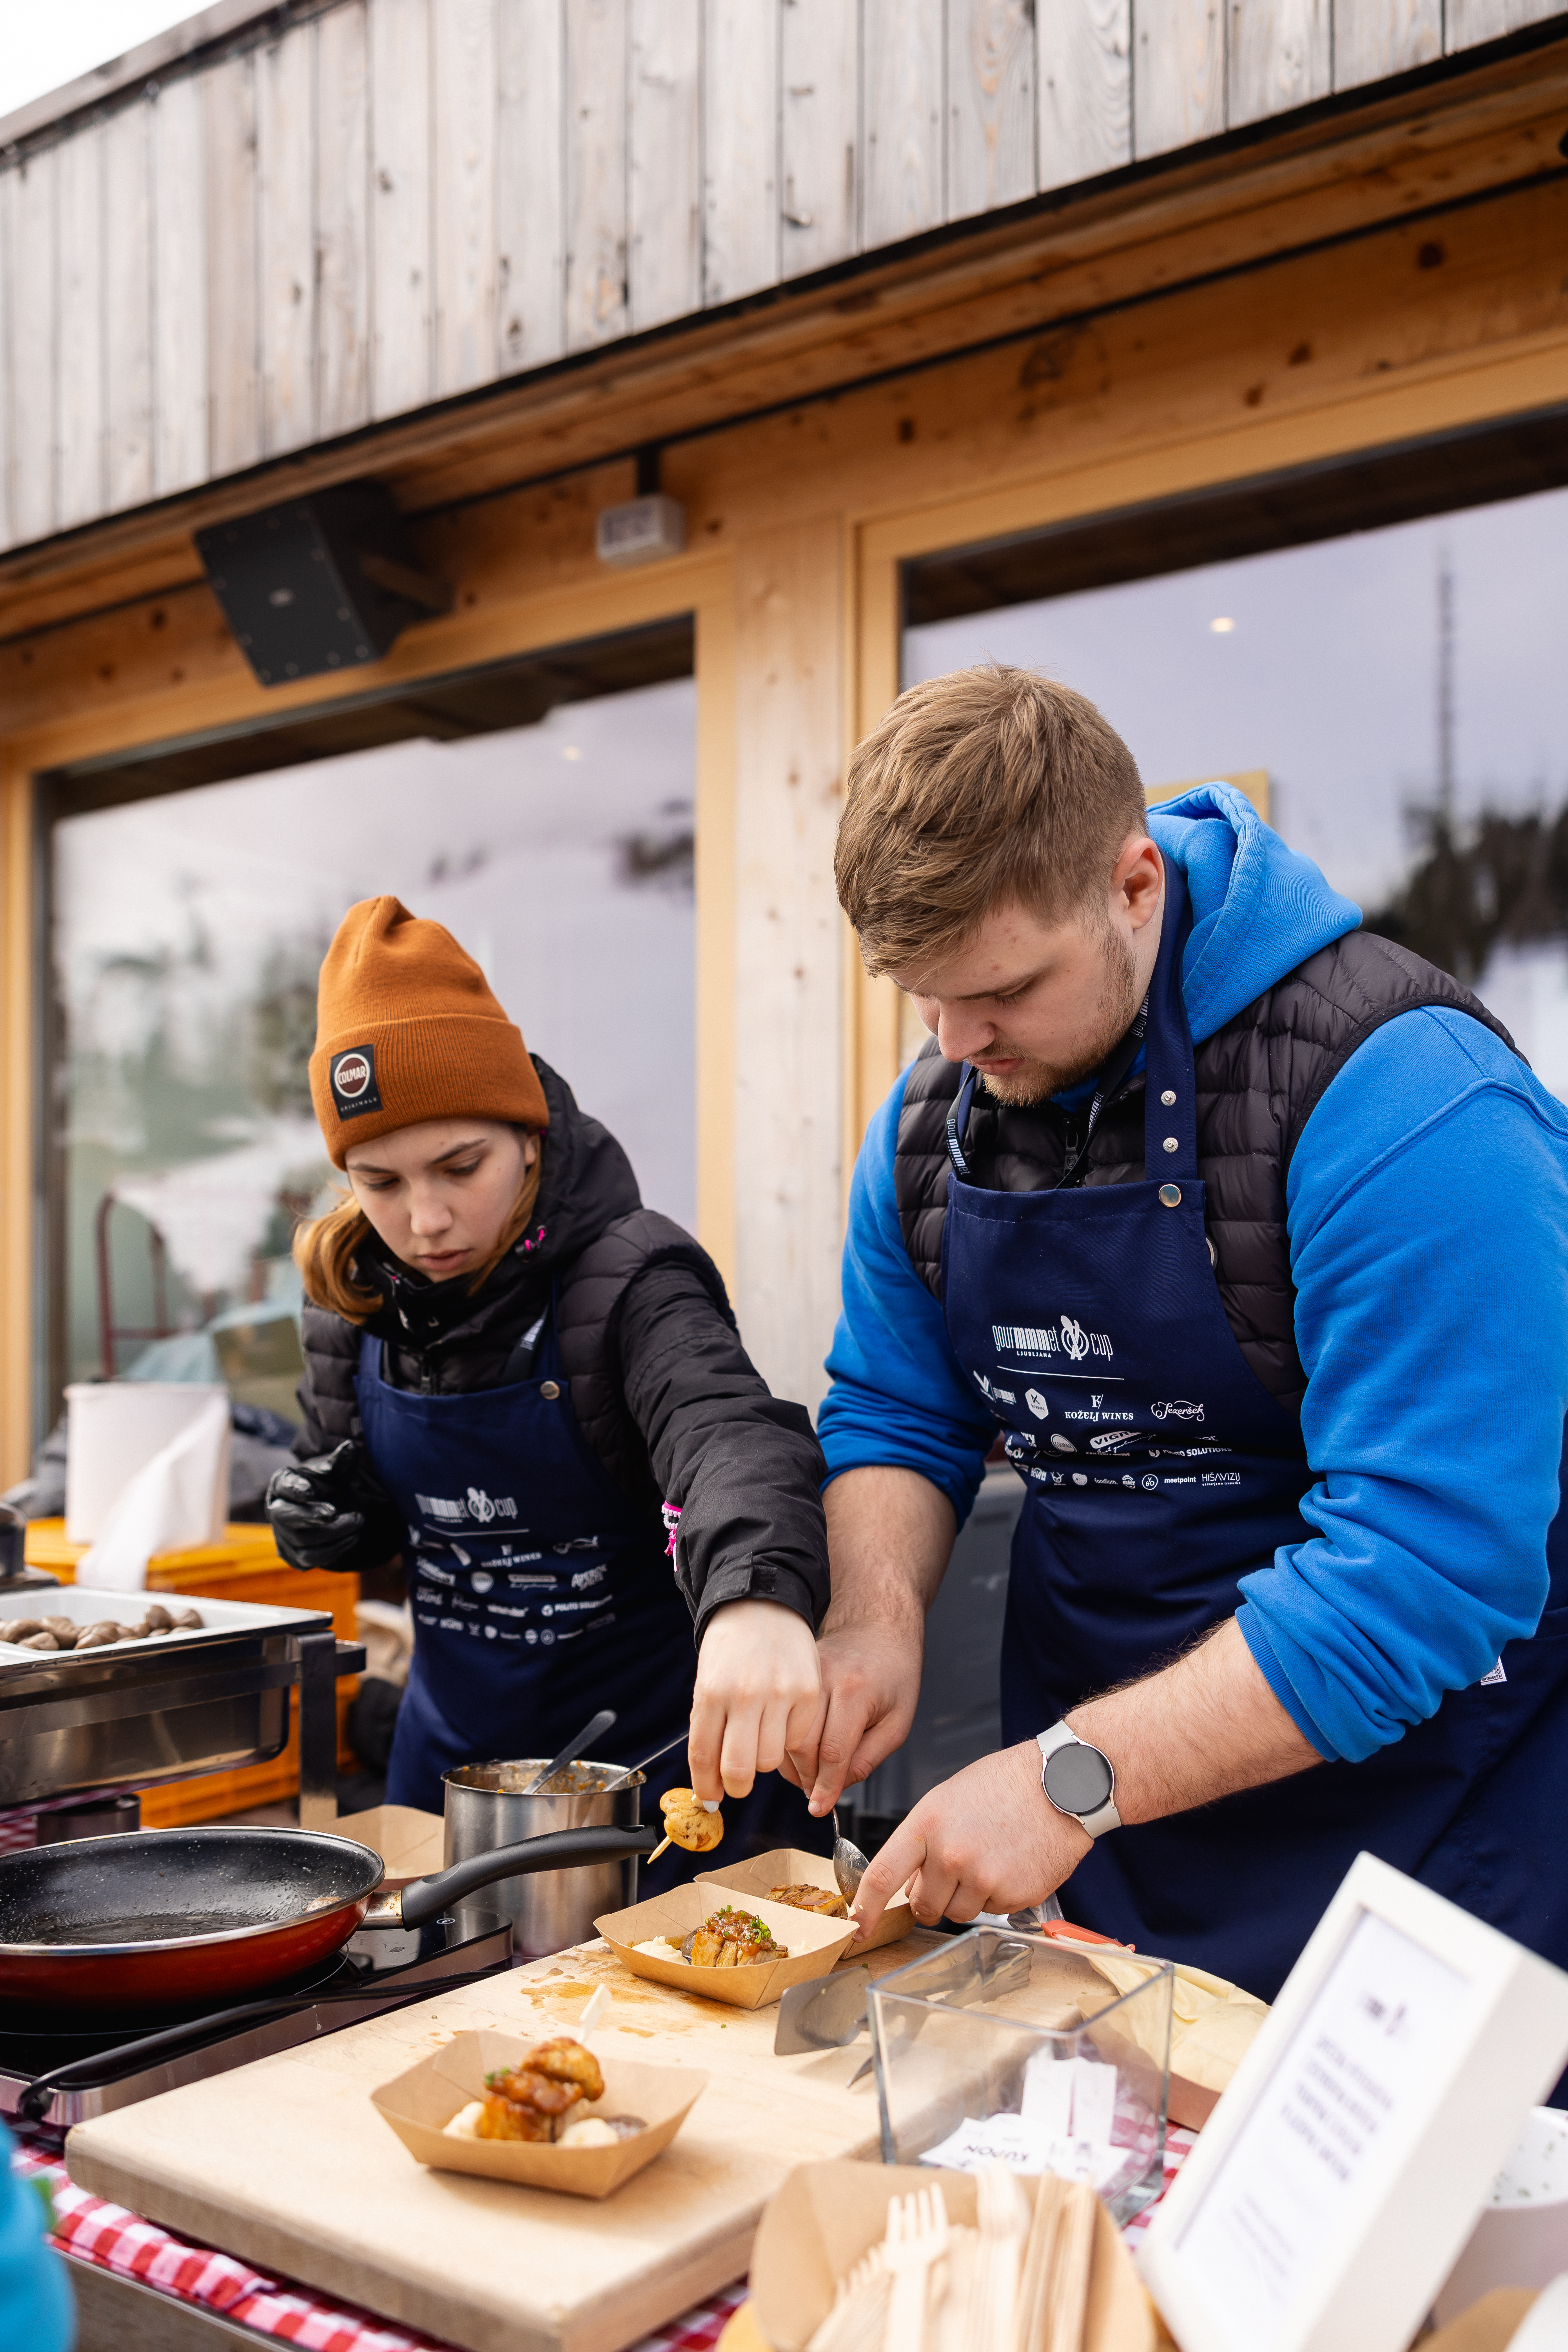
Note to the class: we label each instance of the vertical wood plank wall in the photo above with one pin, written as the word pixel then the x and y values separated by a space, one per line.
pixel 406 199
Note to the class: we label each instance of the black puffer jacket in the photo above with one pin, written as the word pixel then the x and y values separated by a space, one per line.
pixel 661 1386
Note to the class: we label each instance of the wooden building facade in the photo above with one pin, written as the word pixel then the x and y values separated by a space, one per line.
pixel 882 281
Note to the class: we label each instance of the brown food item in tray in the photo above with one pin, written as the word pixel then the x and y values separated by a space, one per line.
pixel 506 2118
pixel 825 1901
pixel 64 1633
pixel 533 2100
pixel 566 2060
pixel 734 1939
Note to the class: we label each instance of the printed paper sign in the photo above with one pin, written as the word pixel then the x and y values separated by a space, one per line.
pixel 1338 2118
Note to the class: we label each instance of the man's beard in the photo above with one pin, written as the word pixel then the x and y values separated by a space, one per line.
pixel 1037 1081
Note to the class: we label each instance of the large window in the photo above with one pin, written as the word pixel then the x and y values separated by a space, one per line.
pixel 187 931
pixel 1406 690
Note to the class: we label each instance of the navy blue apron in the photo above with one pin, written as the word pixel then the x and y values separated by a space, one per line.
pixel 1159 1471
pixel 541 1593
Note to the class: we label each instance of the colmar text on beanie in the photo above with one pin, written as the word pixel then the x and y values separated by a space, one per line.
pixel 407 1029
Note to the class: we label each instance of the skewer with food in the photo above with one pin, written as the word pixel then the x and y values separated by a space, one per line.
pixel 688 1822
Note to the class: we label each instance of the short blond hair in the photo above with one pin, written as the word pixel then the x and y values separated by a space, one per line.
pixel 988 787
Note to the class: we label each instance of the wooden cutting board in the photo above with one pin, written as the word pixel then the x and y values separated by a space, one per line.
pixel 287 2163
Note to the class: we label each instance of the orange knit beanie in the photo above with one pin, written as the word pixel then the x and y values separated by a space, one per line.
pixel 406 1029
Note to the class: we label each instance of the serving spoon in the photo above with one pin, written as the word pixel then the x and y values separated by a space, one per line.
pixel 849 1865
pixel 593 1729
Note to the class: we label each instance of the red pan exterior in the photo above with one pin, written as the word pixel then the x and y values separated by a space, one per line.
pixel 228 1969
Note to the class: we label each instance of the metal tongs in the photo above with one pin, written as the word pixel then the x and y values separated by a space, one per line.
pixel 829 2012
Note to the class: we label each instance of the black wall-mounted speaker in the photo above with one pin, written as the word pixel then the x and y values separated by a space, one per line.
pixel 323 582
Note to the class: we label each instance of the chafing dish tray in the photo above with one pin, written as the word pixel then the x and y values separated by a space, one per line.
pixel 133 1713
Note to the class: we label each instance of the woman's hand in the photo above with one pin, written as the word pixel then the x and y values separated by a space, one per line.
pixel 332 1511
pixel 759 1694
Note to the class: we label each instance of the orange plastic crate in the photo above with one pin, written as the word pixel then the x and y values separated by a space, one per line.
pixel 246 1566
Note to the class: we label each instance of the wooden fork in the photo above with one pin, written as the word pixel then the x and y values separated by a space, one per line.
pixel 916 2238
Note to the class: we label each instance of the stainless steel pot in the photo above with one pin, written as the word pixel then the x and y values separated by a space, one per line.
pixel 552 1908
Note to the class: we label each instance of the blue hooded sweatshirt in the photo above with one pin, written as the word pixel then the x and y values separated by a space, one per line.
pixel 1426 1207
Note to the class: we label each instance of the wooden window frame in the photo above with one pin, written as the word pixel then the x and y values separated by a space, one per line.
pixel 699 585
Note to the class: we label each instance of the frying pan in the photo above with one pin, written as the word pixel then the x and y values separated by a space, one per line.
pixel 163 1918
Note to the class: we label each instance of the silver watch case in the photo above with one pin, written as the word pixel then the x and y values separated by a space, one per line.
pixel 1085 1779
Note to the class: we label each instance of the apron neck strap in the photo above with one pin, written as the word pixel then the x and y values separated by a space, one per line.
pixel 1170 1101
pixel 1169 1091
pixel 958 1119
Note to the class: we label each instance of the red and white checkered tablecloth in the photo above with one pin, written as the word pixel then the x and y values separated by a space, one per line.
pixel 89 2230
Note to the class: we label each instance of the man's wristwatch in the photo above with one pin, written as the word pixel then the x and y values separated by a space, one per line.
pixel 1078 1779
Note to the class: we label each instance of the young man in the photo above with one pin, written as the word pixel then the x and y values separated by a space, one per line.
pixel 1246 1230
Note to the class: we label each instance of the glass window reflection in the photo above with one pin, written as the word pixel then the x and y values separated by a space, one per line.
pixel 1405 689
pixel 187 933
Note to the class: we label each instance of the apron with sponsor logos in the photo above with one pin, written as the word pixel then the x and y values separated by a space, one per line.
pixel 541 1592
pixel 1159 1471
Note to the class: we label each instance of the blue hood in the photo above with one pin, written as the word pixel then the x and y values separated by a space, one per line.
pixel 1258 909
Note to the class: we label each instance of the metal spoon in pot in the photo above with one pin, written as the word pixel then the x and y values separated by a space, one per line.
pixel 593 1729
pixel 629 1771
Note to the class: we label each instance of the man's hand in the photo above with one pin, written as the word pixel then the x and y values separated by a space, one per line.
pixel 889 1537
pixel 759 1694
pixel 987 1840
pixel 991 1839
pixel 870 1685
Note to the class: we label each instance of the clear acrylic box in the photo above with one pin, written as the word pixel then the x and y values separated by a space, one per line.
pixel 1016 2049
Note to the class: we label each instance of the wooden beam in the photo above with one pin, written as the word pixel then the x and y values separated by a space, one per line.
pixel 788 947
pixel 17 1126
pixel 1339 181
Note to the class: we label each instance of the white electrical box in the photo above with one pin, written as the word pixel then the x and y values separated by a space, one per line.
pixel 641 531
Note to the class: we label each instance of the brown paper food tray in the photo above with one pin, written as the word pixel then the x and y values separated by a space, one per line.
pixel 812 1945
pixel 826 2216
pixel 420 2102
pixel 787 1866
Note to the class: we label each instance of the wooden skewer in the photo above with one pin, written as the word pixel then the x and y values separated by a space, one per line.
pixel 1068 2295
pixel 1039 2254
pixel 659 1849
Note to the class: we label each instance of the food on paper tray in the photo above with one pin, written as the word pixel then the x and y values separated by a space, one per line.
pixel 688 1822
pixel 537 2098
pixel 825 1901
pixel 62 1634
pixel 729 1939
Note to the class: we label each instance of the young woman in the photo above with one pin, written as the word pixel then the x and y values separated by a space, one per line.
pixel 531 1387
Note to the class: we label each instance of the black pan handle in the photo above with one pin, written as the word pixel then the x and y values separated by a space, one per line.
pixel 424 1899
pixel 171 2040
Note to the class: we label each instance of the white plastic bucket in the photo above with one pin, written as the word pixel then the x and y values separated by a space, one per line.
pixel 1521 2238
pixel 115 1427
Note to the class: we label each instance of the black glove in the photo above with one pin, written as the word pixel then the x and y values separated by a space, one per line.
pixel 333 1512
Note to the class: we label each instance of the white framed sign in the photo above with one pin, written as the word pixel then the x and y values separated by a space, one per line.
pixel 1335 2184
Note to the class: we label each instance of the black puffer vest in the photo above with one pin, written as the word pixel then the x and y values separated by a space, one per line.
pixel 1259 1078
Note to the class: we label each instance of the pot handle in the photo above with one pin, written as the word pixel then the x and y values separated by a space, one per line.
pixel 424 1899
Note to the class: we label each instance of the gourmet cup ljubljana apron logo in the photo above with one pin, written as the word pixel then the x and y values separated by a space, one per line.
pixel 352 1076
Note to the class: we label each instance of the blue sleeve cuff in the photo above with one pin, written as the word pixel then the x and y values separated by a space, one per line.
pixel 863 1429
pixel 1266 1658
